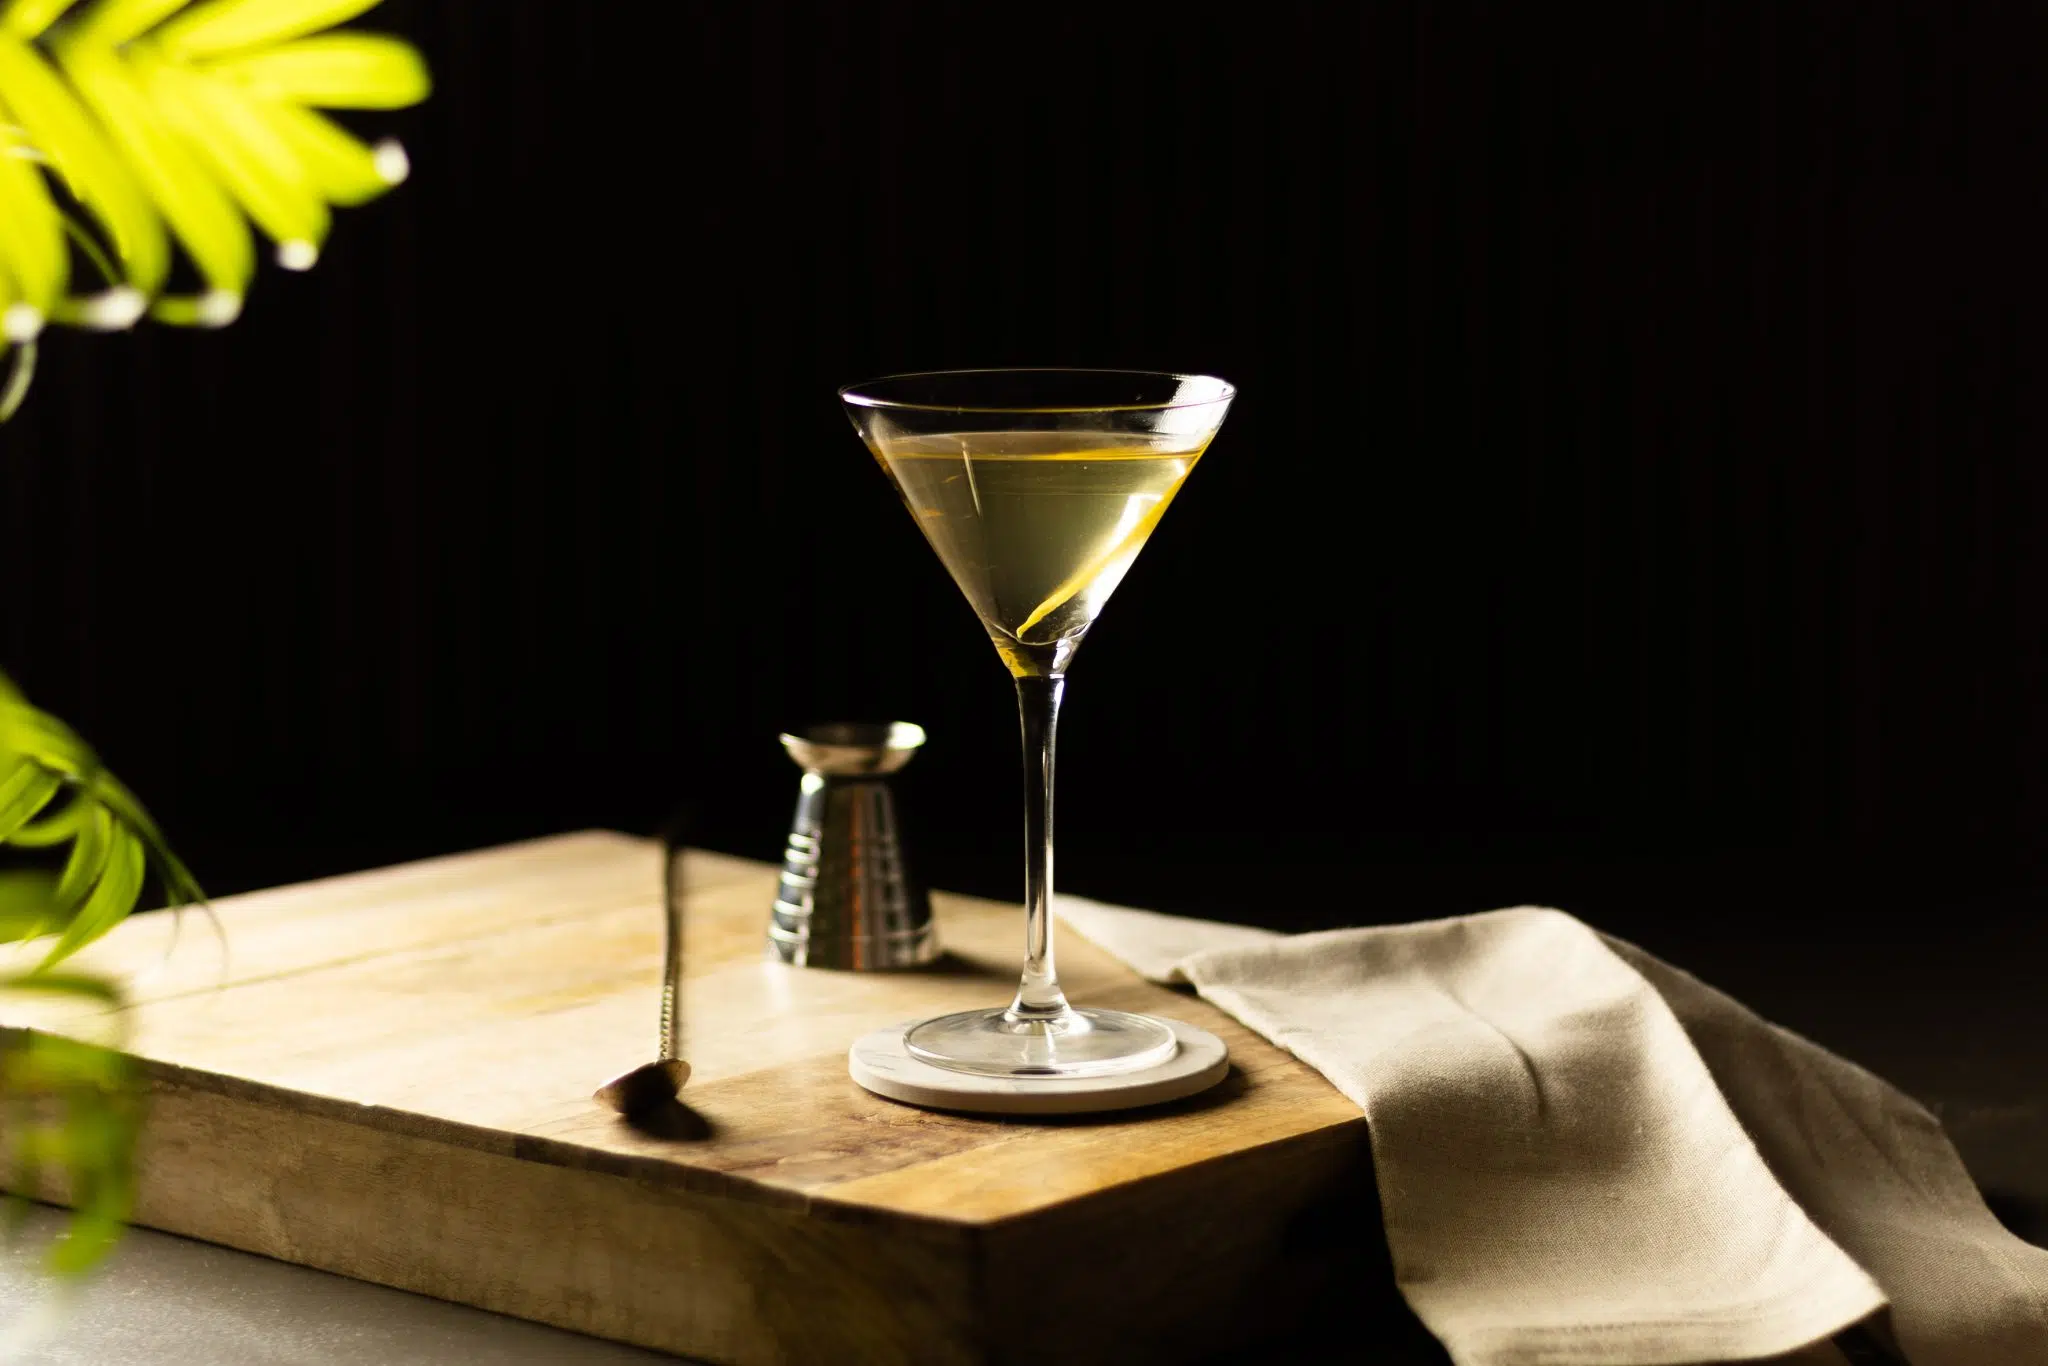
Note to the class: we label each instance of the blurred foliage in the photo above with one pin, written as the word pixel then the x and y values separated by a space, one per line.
pixel 142 144
pixel 132 130
pixel 71 1107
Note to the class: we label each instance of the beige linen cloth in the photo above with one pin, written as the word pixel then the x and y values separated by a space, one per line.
pixel 1587 1156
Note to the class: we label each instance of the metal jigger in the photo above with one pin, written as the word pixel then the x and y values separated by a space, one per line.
pixel 847 898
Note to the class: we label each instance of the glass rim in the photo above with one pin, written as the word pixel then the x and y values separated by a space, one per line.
pixel 852 393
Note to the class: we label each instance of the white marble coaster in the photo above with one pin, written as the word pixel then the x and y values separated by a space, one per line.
pixel 881 1064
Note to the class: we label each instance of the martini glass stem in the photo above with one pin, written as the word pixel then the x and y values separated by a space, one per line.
pixel 1038 711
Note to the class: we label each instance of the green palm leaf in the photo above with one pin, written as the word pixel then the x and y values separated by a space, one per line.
pixel 56 124
pixel 199 210
pixel 113 895
pixel 128 129
pixel 132 127
pixel 41 758
pixel 75 1107
pixel 50 830
pixel 90 851
pixel 248 160
pixel 342 170
pixel 26 895
pixel 28 18
pixel 31 244
pixel 114 23
pixel 238 25
pixel 339 71
pixel 71 1106
pixel 168 121
pixel 24 791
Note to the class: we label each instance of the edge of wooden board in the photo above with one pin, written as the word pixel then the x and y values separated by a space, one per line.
pixel 657 1171
pixel 1170 1267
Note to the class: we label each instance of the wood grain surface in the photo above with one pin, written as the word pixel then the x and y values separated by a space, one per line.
pixel 389 1075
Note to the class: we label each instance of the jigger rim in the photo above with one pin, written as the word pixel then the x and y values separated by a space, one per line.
pixel 842 749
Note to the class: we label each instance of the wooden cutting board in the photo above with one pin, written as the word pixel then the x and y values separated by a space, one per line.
pixel 389 1076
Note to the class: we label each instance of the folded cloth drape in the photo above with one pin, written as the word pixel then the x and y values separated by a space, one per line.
pixel 1585 1155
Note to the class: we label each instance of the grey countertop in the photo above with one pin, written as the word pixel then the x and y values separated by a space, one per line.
pixel 166 1301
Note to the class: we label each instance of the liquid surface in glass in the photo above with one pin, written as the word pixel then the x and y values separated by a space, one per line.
pixel 1038 528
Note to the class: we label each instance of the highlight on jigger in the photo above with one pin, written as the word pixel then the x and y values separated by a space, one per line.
pixel 855 749
pixel 848 897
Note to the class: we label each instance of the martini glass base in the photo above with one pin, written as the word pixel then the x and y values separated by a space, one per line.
pixel 1073 1043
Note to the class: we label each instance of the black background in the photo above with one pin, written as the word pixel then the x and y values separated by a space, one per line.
pixel 1635 501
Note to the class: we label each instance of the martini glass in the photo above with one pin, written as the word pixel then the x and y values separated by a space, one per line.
pixel 1038 488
